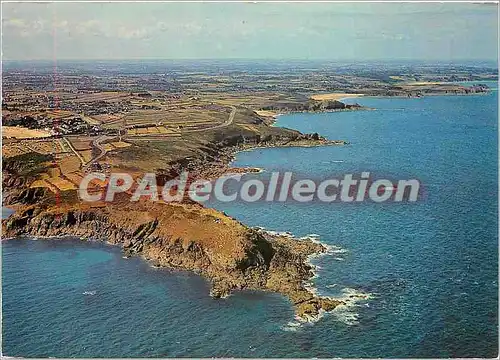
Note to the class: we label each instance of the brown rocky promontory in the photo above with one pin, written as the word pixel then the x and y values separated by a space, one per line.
pixel 183 236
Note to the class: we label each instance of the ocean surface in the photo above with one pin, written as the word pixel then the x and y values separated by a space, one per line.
pixel 430 267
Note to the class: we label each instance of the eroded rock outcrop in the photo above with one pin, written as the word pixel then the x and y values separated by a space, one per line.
pixel 185 236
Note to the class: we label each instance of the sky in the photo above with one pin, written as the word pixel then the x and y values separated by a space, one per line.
pixel 333 31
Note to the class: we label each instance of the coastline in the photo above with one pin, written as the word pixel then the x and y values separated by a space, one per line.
pixel 285 272
pixel 416 90
pixel 239 258
pixel 274 117
pixel 228 154
pixel 146 240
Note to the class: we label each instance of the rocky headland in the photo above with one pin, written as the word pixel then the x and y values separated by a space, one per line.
pixel 183 235
pixel 229 254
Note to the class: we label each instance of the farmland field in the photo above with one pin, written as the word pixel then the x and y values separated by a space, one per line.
pixel 23 133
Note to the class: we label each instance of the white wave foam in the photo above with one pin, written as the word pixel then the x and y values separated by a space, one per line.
pixel 310 319
pixel 292 326
pixel 278 233
pixel 351 298
pixel 311 288
pixel 330 250
pixel 353 293
pixel 345 315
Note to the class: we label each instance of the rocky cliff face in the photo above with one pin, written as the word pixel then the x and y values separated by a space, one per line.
pixel 185 236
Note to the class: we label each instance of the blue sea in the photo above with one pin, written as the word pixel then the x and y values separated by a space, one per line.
pixel 430 267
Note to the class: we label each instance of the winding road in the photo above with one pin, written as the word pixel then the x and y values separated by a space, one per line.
pixel 97 142
pixel 228 122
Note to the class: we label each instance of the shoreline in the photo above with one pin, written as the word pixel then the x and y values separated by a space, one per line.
pixel 273 118
pixel 228 154
pixel 281 112
pixel 264 264
pixel 258 264
pixel 290 254
pixel 349 298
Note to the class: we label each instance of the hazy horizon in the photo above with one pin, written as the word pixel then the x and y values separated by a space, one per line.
pixel 375 32
pixel 276 60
